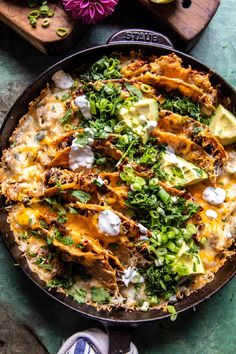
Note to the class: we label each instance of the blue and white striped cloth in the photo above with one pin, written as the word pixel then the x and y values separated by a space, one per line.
pixel 93 341
pixel 83 346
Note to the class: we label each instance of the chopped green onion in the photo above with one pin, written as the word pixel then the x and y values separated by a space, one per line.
pixel 153 182
pixel 126 153
pixel 33 14
pixel 165 197
pixel 62 32
pixel 33 21
pixel 67 116
pixel 68 127
pixel 172 247
pixel 50 13
pixel 44 9
pixel 172 311
pixel 45 22
pixel 146 88
pixel 203 241
pixel 119 127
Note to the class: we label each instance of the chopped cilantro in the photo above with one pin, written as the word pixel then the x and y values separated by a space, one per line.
pixel 65 96
pixel 78 294
pixel 63 282
pixel 43 262
pixel 73 210
pixel 43 224
pixel 66 240
pixel 66 117
pixel 82 139
pixel 134 91
pixel 100 295
pixel 83 197
pixel 185 107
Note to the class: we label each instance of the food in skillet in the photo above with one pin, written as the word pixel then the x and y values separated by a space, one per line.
pixel 120 182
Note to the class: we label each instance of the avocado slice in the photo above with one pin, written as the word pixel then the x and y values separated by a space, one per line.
pixel 223 126
pixel 141 117
pixel 188 263
pixel 180 171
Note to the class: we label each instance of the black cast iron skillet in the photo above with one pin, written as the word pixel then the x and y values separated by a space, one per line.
pixel 118 322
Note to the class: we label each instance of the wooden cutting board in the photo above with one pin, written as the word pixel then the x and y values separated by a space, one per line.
pixel 14 13
pixel 183 20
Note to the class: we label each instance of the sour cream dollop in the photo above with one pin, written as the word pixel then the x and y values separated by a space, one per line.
pixel 214 196
pixel 170 155
pixel 143 231
pixel 80 158
pixel 131 275
pixel 109 223
pixel 62 80
pixel 151 125
pixel 211 214
pixel 84 105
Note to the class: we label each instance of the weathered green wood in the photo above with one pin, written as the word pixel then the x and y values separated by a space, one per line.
pixel 208 330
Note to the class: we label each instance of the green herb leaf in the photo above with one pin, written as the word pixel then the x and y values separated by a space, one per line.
pixel 65 96
pixel 100 295
pixel 66 117
pixel 185 107
pixel 78 294
pixel 66 240
pixel 62 282
pixel 136 92
pixel 73 210
pixel 83 197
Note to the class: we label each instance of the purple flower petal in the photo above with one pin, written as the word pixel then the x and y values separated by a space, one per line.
pixel 90 11
pixel 100 9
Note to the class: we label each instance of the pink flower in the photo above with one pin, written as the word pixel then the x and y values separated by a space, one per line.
pixel 90 11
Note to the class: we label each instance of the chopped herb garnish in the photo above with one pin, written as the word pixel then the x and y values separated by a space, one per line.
pixel 185 107
pixel 65 96
pixel 43 262
pixel 136 92
pixel 78 294
pixel 73 210
pixel 171 309
pixel 100 295
pixel 104 68
pixel 66 240
pixel 43 224
pixel 62 282
pixel 83 197
pixel 67 116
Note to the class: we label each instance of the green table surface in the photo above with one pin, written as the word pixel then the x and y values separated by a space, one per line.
pixel 208 329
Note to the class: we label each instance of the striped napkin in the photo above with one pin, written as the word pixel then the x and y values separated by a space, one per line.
pixel 92 341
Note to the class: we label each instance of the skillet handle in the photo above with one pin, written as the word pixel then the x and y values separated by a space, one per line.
pixel 140 35
pixel 119 339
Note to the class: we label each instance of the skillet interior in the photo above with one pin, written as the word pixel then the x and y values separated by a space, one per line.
pixel 20 108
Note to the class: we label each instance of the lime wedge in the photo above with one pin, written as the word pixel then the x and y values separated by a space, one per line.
pixel 223 126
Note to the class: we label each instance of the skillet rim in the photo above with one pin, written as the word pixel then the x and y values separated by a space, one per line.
pixel 227 271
